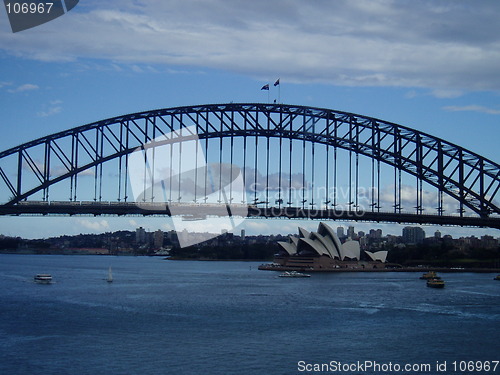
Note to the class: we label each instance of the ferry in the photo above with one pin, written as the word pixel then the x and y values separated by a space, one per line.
pixel 43 278
pixel 430 275
pixel 435 283
pixel 497 277
pixel 294 274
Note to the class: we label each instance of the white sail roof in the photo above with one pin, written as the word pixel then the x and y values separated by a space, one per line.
pixel 379 255
pixel 303 233
pixel 351 249
pixel 290 248
pixel 309 244
pixel 328 232
pixel 295 241
pixel 327 244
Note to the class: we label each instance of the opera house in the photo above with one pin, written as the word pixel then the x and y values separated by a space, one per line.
pixel 323 251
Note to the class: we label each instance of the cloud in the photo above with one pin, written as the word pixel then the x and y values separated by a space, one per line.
pixel 447 94
pixel 281 226
pixel 409 200
pixel 448 46
pixel 94 225
pixel 53 109
pixel 472 108
pixel 25 87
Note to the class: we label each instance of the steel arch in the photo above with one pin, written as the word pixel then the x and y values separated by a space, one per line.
pixel 472 180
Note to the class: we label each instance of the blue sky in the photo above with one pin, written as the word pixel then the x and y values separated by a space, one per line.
pixel 432 66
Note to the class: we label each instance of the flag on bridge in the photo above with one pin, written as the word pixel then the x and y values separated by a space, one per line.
pixel 265 87
pixel 277 82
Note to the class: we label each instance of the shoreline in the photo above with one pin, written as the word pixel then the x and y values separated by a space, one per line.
pixel 270 267
pixel 216 260
pixel 267 267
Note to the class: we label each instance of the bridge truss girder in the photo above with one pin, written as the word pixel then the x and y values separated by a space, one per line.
pixel 472 180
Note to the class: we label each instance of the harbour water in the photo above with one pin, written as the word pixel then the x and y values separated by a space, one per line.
pixel 182 317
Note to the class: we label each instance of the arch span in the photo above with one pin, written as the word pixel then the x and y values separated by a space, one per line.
pixel 468 178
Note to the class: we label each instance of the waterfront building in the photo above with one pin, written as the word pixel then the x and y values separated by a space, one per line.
pixel 322 251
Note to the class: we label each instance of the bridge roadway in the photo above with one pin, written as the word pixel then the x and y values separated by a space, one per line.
pixel 193 211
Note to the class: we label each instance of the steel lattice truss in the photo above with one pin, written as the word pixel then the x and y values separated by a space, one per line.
pixel 34 167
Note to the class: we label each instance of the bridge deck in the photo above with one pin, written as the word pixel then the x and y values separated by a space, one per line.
pixel 202 211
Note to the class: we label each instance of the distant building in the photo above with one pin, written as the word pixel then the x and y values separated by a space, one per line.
pixel 140 235
pixel 158 238
pixel 413 235
pixel 350 232
pixel 243 234
pixel 340 232
pixel 489 242
pixel 375 233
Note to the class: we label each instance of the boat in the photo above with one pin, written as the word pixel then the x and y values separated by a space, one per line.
pixel 43 278
pixel 294 274
pixel 435 283
pixel 110 276
pixel 430 275
pixel 497 277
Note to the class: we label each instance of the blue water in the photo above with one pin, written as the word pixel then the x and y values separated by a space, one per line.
pixel 180 317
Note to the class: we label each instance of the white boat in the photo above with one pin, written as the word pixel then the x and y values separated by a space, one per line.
pixel 43 278
pixel 110 276
pixel 294 274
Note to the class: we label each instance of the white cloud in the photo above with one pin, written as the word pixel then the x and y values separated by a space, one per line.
pixel 94 225
pixel 409 200
pixel 447 94
pixel 446 46
pixel 53 109
pixel 25 87
pixel 472 108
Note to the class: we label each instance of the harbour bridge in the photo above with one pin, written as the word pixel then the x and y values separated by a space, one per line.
pixel 255 160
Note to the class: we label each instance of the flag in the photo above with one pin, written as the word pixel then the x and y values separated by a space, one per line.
pixel 277 82
pixel 265 87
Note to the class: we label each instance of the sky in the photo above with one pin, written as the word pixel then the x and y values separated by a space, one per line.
pixel 429 65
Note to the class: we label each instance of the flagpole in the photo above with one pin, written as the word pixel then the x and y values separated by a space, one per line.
pixel 277 83
pixel 266 87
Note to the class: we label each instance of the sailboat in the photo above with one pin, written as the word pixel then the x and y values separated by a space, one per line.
pixel 110 276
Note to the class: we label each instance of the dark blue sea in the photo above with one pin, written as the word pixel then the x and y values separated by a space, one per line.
pixel 180 317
